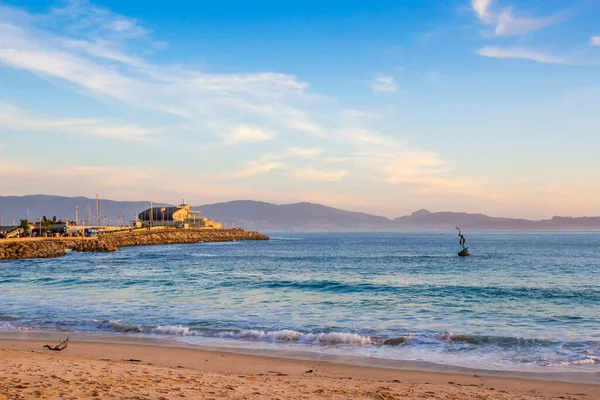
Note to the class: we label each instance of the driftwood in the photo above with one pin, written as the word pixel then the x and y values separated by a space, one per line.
pixel 61 346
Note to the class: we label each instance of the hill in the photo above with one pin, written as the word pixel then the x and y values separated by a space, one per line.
pixel 293 217
pixel 306 217
pixel 426 221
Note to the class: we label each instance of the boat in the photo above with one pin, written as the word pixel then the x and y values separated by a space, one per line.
pixel 462 241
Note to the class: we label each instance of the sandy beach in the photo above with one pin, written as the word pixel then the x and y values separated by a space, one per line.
pixel 133 371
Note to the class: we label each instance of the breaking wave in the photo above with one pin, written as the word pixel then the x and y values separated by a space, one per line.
pixel 331 338
pixel 527 352
pixel 124 328
pixel 583 361
pixel 279 336
pixel 6 326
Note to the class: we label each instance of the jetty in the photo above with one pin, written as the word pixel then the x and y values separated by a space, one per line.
pixel 50 247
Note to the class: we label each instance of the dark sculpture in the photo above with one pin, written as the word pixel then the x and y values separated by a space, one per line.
pixel 462 241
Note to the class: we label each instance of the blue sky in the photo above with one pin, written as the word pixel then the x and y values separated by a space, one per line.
pixel 382 106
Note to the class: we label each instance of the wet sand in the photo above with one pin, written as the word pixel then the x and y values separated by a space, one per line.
pixel 133 371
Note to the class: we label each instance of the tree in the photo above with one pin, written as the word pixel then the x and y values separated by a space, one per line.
pixel 54 219
pixel 24 225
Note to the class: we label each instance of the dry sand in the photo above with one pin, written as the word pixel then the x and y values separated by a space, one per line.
pixel 129 371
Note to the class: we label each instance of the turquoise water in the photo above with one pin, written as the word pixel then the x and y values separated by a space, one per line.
pixel 521 302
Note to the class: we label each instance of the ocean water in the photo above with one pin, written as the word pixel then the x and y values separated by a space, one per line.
pixel 520 302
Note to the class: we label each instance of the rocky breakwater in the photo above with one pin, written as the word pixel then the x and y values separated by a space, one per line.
pixel 177 236
pixel 20 249
pixel 91 246
pixel 32 249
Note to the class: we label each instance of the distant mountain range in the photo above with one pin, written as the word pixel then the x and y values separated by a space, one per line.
pixel 293 217
pixel 299 217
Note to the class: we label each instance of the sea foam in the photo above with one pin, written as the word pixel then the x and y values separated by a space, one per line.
pixel 279 336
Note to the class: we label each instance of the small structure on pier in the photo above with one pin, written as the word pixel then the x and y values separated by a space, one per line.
pixel 181 216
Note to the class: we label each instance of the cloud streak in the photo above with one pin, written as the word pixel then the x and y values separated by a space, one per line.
pixel 384 84
pixel 83 17
pixel 516 53
pixel 89 54
pixel 253 168
pixel 505 23
pixel 246 134
pixel 482 10
pixel 14 119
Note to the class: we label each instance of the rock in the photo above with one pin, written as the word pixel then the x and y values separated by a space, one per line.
pixel 11 250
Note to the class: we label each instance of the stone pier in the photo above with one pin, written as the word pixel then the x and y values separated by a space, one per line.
pixel 15 249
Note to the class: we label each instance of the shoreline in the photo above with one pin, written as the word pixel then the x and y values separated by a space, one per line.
pixel 146 368
pixel 416 366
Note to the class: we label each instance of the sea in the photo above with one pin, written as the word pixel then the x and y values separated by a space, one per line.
pixel 520 302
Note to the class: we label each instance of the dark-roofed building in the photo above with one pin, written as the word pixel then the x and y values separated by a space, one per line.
pixel 181 215
pixel 157 214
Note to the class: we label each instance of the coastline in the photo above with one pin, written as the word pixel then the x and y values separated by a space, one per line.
pixel 102 366
pixel 31 248
pixel 166 342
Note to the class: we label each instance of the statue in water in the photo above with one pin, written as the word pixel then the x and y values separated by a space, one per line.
pixel 462 241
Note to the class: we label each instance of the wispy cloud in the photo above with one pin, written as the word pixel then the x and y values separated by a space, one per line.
pixel 17 176
pixel 515 53
pixel 83 17
pixel 253 168
pixel 384 84
pixel 505 23
pixel 312 174
pixel 294 152
pixel 510 25
pixel 93 51
pixel 15 119
pixel 482 10
pixel 595 41
pixel 269 162
pixel 88 50
pixel 303 152
pixel 337 160
pixel 395 162
pixel 245 134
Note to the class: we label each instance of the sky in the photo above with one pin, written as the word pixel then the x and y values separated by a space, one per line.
pixel 386 107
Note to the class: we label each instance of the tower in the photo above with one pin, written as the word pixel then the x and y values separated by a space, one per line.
pixel 97 210
pixel 88 212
